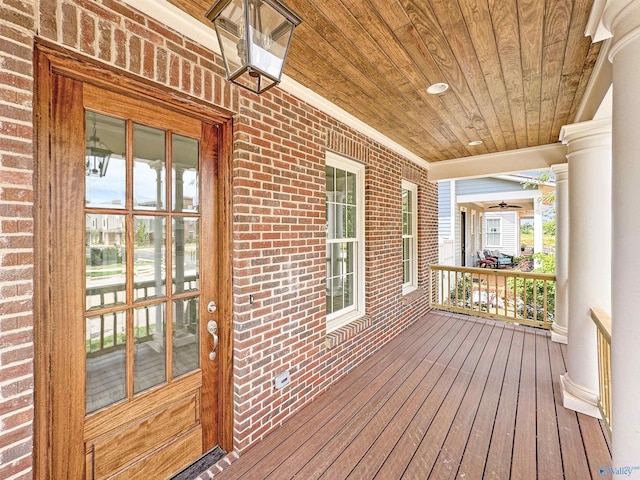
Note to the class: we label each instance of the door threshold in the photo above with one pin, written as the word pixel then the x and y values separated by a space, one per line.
pixel 201 465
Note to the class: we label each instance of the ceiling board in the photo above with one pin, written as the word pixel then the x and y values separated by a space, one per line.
pixel 517 68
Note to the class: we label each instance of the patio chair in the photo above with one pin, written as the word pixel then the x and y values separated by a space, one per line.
pixel 484 262
pixel 502 258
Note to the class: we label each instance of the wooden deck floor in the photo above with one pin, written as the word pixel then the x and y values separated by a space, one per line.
pixel 452 397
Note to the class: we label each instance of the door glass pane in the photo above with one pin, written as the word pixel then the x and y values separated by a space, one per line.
pixel 105 360
pixel 106 267
pixel 105 179
pixel 185 174
pixel 149 257
pixel 186 353
pixel 149 351
pixel 186 254
pixel 149 168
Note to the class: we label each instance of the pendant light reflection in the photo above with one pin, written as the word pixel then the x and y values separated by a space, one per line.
pixel 254 37
pixel 97 154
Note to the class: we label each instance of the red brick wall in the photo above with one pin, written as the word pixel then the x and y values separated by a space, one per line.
pixel 16 238
pixel 279 219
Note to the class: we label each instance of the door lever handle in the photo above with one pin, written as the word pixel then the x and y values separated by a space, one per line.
pixel 212 328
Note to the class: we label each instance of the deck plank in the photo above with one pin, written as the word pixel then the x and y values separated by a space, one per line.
pixel 498 466
pixel 451 397
pixel 574 459
pixel 477 444
pixel 448 460
pixel 314 417
pixel 548 442
pixel 407 461
pixel 315 467
pixel 523 462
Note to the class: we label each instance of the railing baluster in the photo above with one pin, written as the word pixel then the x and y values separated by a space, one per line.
pixel 495 294
pixel 603 335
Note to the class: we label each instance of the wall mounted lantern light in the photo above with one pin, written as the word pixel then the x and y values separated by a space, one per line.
pixel 254 37
pixel 97 154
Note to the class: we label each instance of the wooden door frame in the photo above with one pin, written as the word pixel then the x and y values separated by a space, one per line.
pixel 50 60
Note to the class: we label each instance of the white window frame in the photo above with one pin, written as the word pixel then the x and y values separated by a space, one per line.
pixel 342 317
pixel 488 233
pixel 412 284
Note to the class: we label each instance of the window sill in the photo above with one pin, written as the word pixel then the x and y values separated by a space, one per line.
pixel 412 295
pixel 347 329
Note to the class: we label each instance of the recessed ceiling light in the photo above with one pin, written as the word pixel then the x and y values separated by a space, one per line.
pixel 473 143
pixel 437 88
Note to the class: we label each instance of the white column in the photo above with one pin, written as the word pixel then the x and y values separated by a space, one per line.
pixel 559 329
pixel 589 155
pixel 623 20
pixel 537 225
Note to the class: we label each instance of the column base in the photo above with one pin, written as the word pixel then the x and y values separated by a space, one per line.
pixel 579 399
pixel 559 334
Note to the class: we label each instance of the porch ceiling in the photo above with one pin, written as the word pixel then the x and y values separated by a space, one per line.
pixel 517 70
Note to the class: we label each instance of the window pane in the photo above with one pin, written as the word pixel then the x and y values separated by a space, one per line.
pixel 406 260
pixel 106 266
pixel 185 174
pixel 341 220
pixel 149 168
pixel 185 241
pixel 149 260
pixel 331 221
pixel 149 353
pixel 348 290
pixel 331 172
pixel 105 360
pixel 351 188
pixel 350 221
pixel 341 184
pixel 186 352
pixel 350 259
pixel 106 172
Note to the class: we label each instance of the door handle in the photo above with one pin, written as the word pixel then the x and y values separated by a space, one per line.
pixel 212 328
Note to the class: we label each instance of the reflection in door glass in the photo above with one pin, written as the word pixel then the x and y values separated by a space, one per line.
pixel 185 336
pixel 186 254
pixel 150 346
pixel 149 257
pixel 105 360
pixel 106 266
pixel 149 168
pixel 185 174
pixel 105 176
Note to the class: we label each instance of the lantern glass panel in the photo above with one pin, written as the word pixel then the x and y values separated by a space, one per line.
pixel 230 28
pixel 270 34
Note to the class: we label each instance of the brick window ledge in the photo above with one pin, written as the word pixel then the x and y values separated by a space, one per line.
pixel 347 331
pixel 412 296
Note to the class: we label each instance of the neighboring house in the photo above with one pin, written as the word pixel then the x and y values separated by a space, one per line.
pixel 471 217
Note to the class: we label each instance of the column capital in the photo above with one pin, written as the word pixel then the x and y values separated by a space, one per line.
pixel 590 135
pixel 622 19
pixel 561 171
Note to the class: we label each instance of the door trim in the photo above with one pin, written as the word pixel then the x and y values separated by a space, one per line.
pixel 51 60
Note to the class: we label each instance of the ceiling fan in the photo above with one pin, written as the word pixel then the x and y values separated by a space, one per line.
pixel 503 205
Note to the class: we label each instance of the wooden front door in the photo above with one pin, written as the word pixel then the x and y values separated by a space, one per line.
pixel 132 252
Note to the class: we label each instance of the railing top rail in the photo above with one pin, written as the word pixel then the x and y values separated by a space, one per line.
pixel 603 321
pixel 496 272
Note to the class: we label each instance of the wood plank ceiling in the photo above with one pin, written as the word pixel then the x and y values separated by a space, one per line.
pixel 517 69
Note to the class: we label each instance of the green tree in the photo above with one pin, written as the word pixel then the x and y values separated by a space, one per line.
pixel 549 228
pixel 142 235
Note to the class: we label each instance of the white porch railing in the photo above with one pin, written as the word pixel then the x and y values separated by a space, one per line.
pixel 603 324
pixel 508 295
